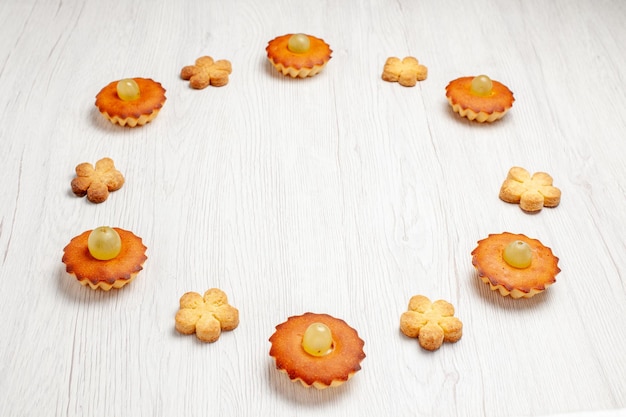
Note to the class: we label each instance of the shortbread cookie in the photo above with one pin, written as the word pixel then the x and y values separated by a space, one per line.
pixel 432 323
pixel 407 72
pixel 206 316
pixel 532 193
pixel 207 72
pixel 97 182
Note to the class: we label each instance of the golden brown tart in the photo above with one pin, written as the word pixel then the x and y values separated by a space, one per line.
pixel 113 273
pixel 135 112
pixel 489 101
pixel 517 281
pixel 329 370
pixel 297 64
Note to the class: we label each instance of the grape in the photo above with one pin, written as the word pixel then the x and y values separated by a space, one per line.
pixel 104 243
pixel 317 340
pixel 518 254
pixel 299 43
pixel 482 85
pixel 127 89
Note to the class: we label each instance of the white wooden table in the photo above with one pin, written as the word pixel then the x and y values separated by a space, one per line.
pixel 339 194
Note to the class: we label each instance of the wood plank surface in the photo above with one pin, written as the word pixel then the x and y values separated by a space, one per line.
pixel 339 194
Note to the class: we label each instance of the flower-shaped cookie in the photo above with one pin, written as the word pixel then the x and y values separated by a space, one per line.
pixel 531 192
pixel 207 72
pixel 96 182
pixel 432 323
pixel 406 72
pixel 207 315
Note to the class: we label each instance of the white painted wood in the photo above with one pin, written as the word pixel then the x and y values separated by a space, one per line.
pixel 341 194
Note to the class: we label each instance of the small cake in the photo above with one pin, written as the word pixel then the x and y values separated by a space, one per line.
pixel 515 264
pixel 298 55
pixel 317 349
pixel 479 98
pixel 432 323
pixel 105 257
pixel 131 101
pixel 206 315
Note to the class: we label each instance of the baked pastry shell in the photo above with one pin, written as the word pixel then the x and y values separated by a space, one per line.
pixel 475 107
pixel 98 274
pixel 135 112
pixel 320 372
pixel 297 65
pixel 508 280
